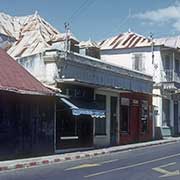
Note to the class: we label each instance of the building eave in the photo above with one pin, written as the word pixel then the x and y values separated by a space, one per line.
pixel 25 92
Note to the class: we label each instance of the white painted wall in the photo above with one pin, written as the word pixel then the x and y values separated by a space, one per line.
pixel 45 72
pixel 124 58
pixel 35 65
pixel 157 102
pixel 51 72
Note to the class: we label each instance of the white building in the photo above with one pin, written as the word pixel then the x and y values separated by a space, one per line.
pixel 159 58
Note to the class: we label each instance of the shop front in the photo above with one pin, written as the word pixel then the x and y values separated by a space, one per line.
pixel 76 113
pixel 135 117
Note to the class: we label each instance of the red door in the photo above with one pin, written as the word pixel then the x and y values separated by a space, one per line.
pixel 135 122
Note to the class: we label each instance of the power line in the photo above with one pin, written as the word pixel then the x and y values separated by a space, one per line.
pixel 121 23
pixel 84 3
pixel 124 21
pixel 83 6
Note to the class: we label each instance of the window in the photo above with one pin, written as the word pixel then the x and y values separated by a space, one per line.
pixel 144 116
pixel 138 62
pixel 124 115
pixel 100 123
pixel 83 51
pixel 167 62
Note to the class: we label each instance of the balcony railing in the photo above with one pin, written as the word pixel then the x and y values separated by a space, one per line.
pixel 169 75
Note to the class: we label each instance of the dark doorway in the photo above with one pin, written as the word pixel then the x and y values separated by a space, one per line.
pixel 166 112
pixel 135 122
pixel 73 131
pixel 85 131
pixel 113 120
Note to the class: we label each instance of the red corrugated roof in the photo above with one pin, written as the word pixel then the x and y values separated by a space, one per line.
pixel 14 77
pixel 132 40
pixel 125 40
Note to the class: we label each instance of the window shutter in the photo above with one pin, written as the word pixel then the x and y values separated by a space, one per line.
pixel 138 62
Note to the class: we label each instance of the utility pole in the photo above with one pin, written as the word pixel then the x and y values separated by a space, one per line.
pixel 67 31
pixel 152 47
pixel 66 50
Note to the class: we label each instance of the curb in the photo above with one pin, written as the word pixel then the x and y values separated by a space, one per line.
pixel 138 146
pixel 44 161
pixel 47 160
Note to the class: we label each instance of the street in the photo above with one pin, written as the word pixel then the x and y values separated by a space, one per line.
pixel 162 161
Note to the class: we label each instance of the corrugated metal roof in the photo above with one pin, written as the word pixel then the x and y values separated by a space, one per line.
pixel 11 26
pixel 32 33
pixel 88 44
pixel 131 40
pixel 172 42
pixel 125 40
pixel 13 77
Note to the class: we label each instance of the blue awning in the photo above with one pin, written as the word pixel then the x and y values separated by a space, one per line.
pixel 76 111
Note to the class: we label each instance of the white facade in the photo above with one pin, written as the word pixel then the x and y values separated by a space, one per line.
pixel 45 72
pixel 164 66
pixel 124 58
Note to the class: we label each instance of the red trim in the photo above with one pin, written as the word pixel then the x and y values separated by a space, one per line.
pixel 135 134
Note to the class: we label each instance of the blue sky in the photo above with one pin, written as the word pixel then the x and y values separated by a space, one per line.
pixel 100 19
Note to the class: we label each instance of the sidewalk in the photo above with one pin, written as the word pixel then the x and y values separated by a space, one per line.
pixel 45 160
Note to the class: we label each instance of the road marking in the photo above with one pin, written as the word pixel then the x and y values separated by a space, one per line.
pixel 110 161
pixel 131 166
pixel 82 166
pixel 166 173
pixel 90 165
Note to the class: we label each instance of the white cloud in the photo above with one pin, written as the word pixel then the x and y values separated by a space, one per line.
pixel 169 14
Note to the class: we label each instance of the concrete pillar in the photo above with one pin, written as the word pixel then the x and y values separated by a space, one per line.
pixel 108 117
pixel 171 113
pixel 154 122
pixel 173 66
pixel 157 102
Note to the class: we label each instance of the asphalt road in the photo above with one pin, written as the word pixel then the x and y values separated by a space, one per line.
pixel 151 163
